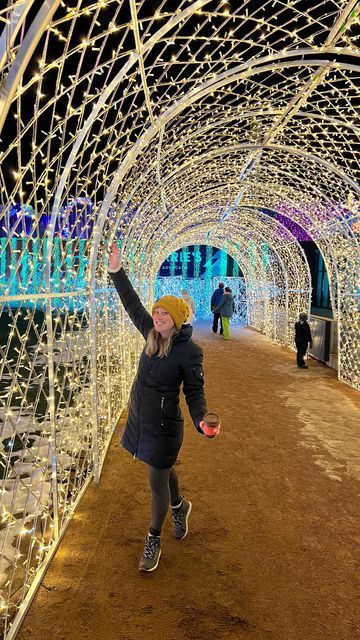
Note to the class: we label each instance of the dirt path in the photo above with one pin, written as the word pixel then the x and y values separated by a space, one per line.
pixel 273 548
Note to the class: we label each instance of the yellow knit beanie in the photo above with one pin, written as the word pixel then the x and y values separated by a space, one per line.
pixel 177 308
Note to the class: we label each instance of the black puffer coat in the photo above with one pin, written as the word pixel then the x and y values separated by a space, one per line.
pixel 154 429
pixel 302 334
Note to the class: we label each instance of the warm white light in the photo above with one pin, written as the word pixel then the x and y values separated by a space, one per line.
pixel 202 130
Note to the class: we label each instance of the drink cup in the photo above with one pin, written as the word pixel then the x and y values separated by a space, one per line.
pixel 210 424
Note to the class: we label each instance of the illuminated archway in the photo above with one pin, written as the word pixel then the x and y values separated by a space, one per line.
pixel 161 128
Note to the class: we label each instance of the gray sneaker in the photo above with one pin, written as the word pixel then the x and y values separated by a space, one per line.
pixel 181 517
pixel 151 555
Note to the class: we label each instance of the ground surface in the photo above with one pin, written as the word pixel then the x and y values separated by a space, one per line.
pixel 273 548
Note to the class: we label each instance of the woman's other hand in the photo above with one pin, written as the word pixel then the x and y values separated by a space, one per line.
pixel 114 257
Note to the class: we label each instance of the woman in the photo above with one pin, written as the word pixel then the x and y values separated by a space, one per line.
pixel 226 308
pixel 154 429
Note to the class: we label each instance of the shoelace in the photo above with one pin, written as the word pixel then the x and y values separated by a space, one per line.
pixel 151 547
pixel 178 517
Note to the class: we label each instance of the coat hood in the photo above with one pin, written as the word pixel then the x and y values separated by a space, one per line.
pixel 184 334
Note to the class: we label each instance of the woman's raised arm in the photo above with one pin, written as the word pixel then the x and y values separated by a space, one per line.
pixel 133 306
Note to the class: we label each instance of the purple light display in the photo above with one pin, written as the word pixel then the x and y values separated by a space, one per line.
pixel 300 234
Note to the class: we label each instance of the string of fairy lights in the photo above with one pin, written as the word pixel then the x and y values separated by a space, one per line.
pixel 232 124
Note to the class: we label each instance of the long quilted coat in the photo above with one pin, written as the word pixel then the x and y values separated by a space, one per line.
pixel 154 429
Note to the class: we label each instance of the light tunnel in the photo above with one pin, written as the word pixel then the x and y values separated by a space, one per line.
pixel 232 124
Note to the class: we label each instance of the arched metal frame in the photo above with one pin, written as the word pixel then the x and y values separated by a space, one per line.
pixel 180 127
pixel 282 276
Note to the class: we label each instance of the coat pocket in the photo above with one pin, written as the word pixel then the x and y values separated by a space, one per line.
pixel 198 372
pixel 170 413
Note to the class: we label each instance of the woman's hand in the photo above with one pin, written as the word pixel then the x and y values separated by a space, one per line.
pixel 209 432
pixel 114 257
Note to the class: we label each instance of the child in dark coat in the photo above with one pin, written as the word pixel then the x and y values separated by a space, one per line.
pixel 303 339
pixel 154 428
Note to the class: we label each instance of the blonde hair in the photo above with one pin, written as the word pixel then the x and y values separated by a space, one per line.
pixel 155 343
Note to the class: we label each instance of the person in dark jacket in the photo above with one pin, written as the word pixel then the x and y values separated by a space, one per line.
pixel 303 339
pixel 226 308
pixel 154 428
pixel 215 299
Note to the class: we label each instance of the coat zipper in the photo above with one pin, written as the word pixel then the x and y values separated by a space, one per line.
pixel 162 411
pixel 137 443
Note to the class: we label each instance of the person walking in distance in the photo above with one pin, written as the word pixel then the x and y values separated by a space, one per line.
pixel 215 299
pixel 154 428
pixel 190 303
pixel 303 339
pixel 226 308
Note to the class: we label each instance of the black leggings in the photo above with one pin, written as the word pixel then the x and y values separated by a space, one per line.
pixel 164 487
